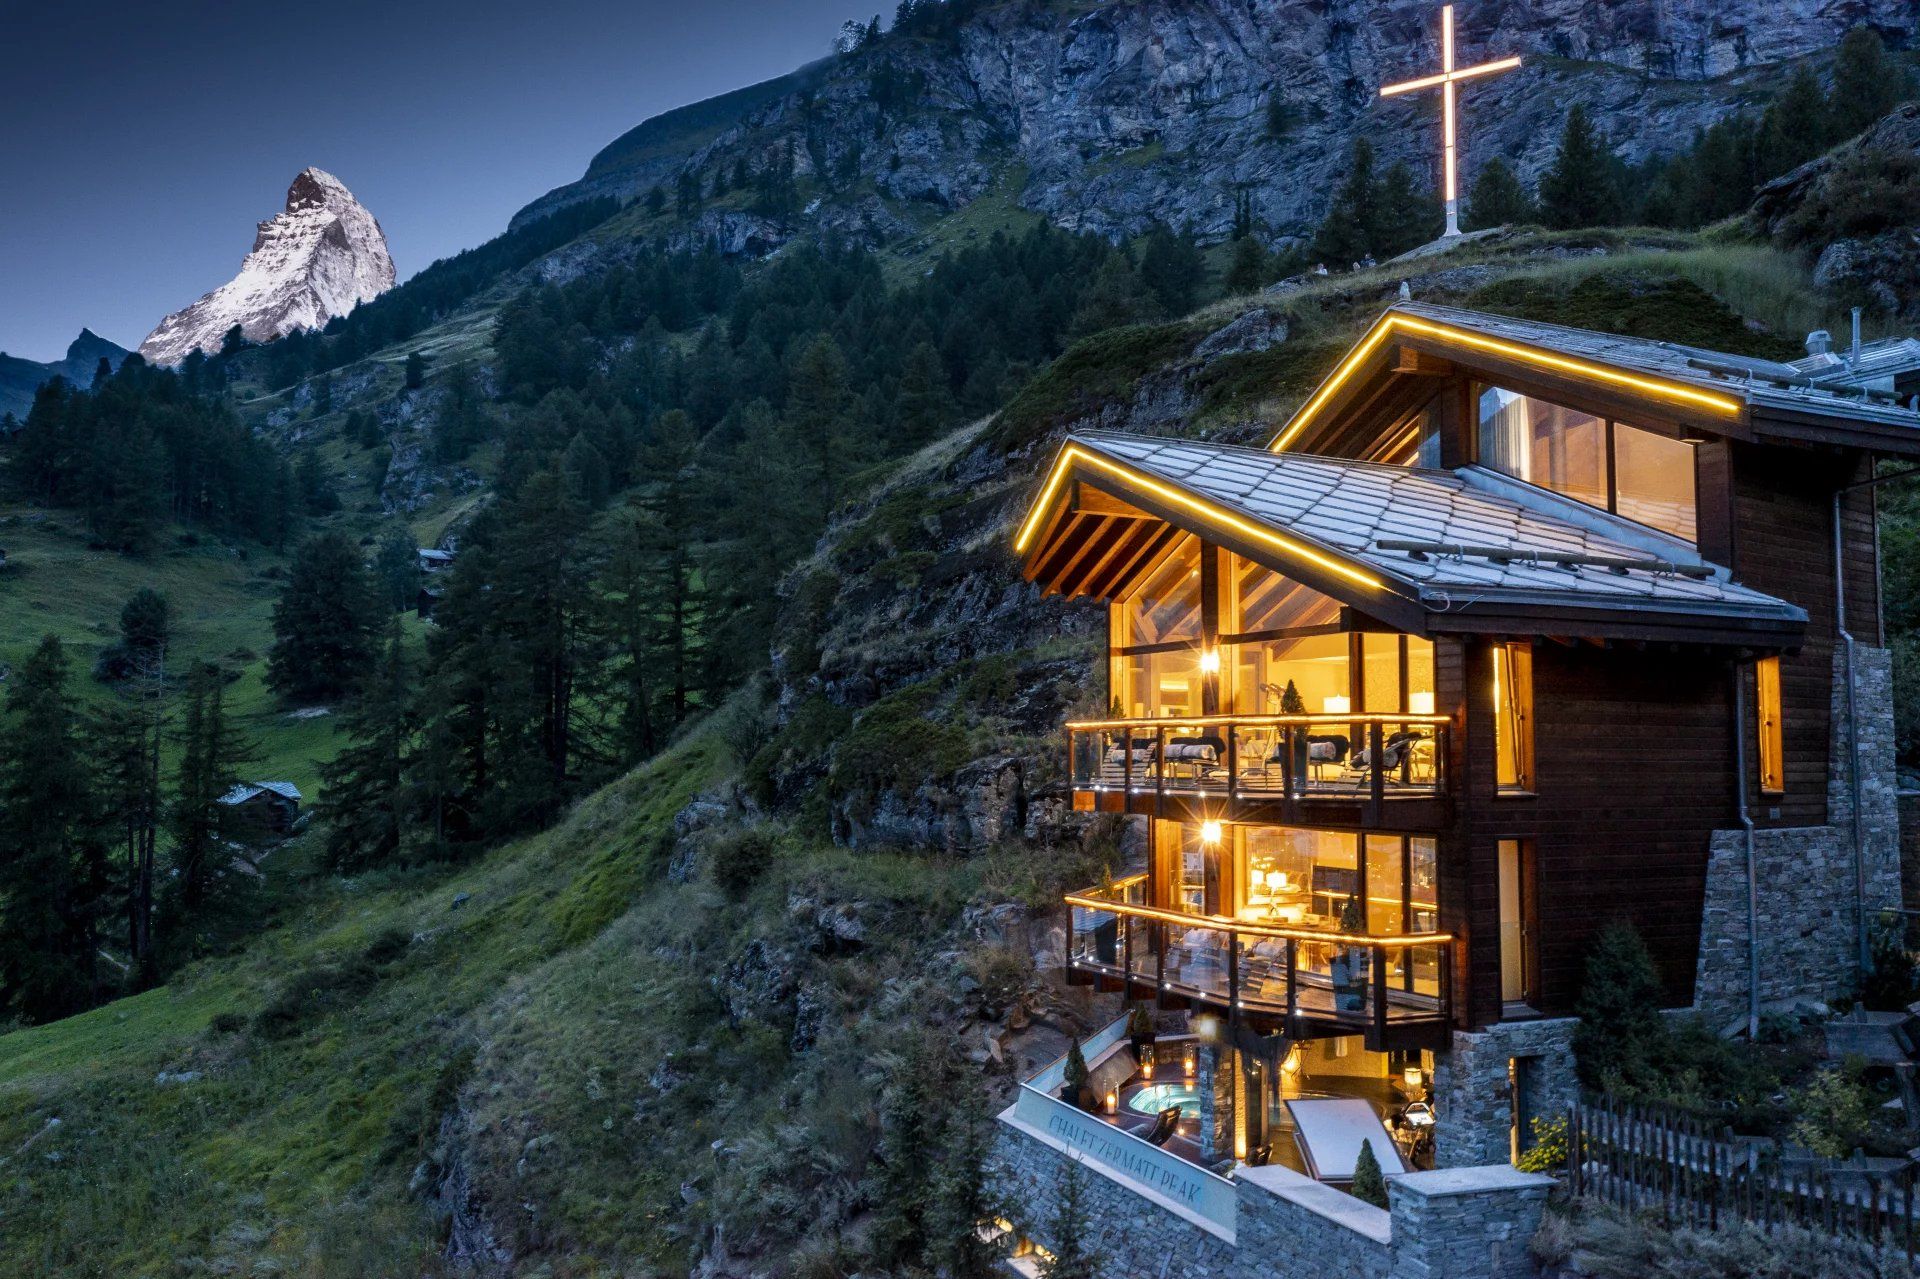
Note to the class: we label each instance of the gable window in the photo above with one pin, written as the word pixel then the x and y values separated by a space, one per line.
pixel 1513 717
pixel 1766 680
pixel 1611 465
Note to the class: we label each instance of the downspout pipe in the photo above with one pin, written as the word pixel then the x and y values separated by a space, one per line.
pixel 1746 828
pixel 1863 949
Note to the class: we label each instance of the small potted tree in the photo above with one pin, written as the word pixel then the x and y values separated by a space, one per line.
pixel 1140 1032
pixel 1349 965
pixel 1291 703
pixel 1075 1089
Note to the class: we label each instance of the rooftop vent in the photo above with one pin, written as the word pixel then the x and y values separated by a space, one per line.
pixel 1819 342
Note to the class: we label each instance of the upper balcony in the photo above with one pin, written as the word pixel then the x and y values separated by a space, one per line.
pixel 1345 769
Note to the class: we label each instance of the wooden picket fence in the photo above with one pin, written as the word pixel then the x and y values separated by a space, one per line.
pixel 1693 1173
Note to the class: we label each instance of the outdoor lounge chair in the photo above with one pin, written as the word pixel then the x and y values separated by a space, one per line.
pixel 1393 755
pixel 1163 1126
pixel 1202 755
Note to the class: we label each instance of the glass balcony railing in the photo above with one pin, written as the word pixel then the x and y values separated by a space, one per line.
pixel 1354 981
pixel 1377 757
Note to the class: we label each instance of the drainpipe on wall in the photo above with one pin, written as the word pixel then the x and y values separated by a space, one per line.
pixel 1746 827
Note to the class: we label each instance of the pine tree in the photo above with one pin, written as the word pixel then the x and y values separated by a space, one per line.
pixel 1798 125
pixel 963 1200
pixel 925 401
pixel 205 831
pixel 1369 1183
pixel 323 624
pixel 1620 997
pixel 1172 268
pixel 415 376
pixel 1351 224
pixel 460 422
pixel 396 568
pixel 816 409
pixel 145 627
pixel 53 846
pixel 1073 1253
pixel 364 797
pixel 909 1151
pixel 1247 273
pixel 127 736
pixel 1117 298
pixel 1866 82
pixel 1408 215
pixel 1579 191
pixel 1498 198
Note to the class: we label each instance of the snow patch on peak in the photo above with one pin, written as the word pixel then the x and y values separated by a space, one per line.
pixel 320 257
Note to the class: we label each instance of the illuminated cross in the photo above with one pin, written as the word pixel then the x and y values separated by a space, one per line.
pixel 1445 82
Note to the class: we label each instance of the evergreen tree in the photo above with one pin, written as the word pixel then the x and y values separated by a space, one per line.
pixel 365 800
pixel 415 376
pixel 233 341
pixel 314 484
pixel 1866 82
pixel 925 400
pixel 127 736
pixel 205 831
pixel 1118 298
pixel 323 624
pixel 460 422
pixel 1247 273
pixel 1369 1183
pixel 962 1197
pixel 396 568
pixel 817 407
pixel 145 627
pixel 1073 1252
pixel 1579 190
pixel 1498 198
pixel 1798 125
pixel 1348 233
pixel 909 1151
pixel 1172 268
pixel 53 846
pixel 1620 1030
pixel 1408 215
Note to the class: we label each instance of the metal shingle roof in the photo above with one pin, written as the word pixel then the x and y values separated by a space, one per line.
pixel 1675 362
pixel 1350 507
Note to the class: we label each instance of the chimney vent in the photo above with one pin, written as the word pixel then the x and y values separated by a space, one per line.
pixel 1819 342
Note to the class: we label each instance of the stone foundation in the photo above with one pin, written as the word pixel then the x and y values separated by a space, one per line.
pixel 1805 875
pixel 1473 1097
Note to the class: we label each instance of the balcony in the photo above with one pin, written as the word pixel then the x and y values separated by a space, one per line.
pixel 1304 982
pixel 1345 769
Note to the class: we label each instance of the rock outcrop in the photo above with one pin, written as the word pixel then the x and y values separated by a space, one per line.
pixel 321 256
pixel 1115 115
pixel 19 379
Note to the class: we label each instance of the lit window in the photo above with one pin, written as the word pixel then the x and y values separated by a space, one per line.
pixel 1513 716
pixel 1766 679
pixel 1653 480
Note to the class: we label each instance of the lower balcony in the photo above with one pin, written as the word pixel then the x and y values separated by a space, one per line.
pixel 1306 983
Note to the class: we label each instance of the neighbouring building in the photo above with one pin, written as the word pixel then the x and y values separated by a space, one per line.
pixel 1514 631
pixel 270 807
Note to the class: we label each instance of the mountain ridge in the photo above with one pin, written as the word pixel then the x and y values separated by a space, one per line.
pixel 20 378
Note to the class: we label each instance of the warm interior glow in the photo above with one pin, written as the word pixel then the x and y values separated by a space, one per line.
pixel 1210 832
pixel 1420 703
pixel 1337 705
pixel 1414 1077
pixel 1291 1065
pixel 1210 661
pixel 1766 679
pixel 1393 322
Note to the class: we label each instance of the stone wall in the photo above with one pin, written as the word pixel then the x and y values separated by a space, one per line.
pixel 1472 1223
pixel 1805 875
pixel 1910 846
pixel 1472 1095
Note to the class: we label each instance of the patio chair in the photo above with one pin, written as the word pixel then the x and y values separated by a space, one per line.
pixel 1393 755
pixel 1163 1126
pixel 1203 755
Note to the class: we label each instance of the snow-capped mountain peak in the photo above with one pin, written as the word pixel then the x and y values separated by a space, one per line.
pixel 321 256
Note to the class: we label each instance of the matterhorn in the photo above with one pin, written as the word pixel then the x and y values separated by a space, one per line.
pixel 320 257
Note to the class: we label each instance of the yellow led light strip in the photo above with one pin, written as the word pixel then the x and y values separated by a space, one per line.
pixel 1388 324
pixel 1213 513
pixel 1247 926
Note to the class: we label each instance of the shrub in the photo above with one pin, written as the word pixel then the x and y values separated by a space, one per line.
pixel 1835 1113
pixel 1002 972
pixel 226 1024
pixel 738 859
pixel 1892 981
pixel 312 994
pixel 1620 1035
pixel 1549 1150
pixel 1864 193
pixel 1075 1074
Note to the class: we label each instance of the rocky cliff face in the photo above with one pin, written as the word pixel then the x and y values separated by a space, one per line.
pixel 1122 113
pixel 321 256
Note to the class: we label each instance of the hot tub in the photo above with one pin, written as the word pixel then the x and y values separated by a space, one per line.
pixel 1155 1098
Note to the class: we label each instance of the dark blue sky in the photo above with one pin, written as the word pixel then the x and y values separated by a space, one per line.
pixel 140 143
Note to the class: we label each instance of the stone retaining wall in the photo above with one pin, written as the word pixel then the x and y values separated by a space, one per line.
pixel 1468 1223
pixel 1473 1096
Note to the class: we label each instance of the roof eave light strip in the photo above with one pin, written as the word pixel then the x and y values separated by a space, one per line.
pixel 1671 391
pixel 1213 513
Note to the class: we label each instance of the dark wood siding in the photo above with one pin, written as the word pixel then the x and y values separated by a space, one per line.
pixel 1783 544
pixel 1633 763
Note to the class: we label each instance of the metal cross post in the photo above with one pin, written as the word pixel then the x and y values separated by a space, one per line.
pixel 1445 81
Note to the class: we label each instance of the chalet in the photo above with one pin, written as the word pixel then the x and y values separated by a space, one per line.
pixel 1513 631
pixel 271 807
pixel 434 561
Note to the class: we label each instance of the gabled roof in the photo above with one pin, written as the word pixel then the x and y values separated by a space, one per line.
pixel 1732 394
pixel 247 790
pixel 1431 551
